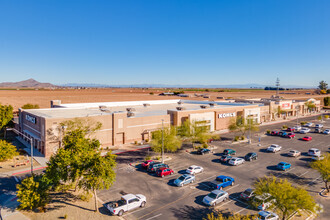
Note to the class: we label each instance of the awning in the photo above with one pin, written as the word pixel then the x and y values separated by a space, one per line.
pixel 32 135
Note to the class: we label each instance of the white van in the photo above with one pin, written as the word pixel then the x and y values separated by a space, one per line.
pixel 314 152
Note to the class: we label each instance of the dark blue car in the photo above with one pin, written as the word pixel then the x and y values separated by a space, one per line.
pixel 283 166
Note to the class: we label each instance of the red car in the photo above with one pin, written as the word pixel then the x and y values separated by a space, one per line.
pixel 274 133
pixel 290 129
pixel 145 164
pixel 164 172
pixel 307 138
pixel 290 135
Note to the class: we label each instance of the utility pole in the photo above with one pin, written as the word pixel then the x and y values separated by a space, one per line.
pixel 162 140
pixel 250 127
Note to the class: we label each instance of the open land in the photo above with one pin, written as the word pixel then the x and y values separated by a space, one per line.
pixel 42 97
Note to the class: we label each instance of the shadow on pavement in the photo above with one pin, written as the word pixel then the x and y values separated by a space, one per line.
pixel 190 212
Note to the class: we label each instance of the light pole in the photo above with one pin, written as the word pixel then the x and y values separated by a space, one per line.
pixel 30 139
pixel 250 127
pixel 162 140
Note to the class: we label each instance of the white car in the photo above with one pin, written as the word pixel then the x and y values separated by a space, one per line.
pixel 309 124
pixel 326 131
pixel 274 148
pixel 194 169
pixel 319 125
pixel 297 128
pixel 265 215
pixel 314 152
pixel 235 161
pixel 126 203
pixel 305 130
pixel 294 153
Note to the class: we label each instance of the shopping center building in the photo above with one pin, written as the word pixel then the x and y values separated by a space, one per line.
pixel 127 122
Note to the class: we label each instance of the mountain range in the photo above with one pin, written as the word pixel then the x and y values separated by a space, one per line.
pixel 32 83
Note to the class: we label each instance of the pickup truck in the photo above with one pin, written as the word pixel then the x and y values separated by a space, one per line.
pixel 221 182
pixel 126 203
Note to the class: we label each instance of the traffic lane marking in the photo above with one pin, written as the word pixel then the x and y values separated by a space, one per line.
pixel 154 216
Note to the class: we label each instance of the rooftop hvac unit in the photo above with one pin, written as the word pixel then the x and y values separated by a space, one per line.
pixel 179 102
pixel 204 106
pixel 146 104
pixel 130 109
pixel 104 108
pixel 212 104
pixel 180 108
pixel 130 114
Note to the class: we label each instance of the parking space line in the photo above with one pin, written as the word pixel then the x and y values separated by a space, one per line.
pixel 314 180
pixel 242 209
pixel 154 216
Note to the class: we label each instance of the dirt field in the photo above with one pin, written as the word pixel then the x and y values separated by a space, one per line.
pixel 17 98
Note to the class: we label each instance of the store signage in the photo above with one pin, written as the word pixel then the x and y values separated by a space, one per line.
pixel 227 115
pixel 286 105
pixel 30 119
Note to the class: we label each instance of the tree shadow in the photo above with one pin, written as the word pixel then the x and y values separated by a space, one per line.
pixel 306 159
pixel 216 160
pixel 204 186
pixel 264 150
pixel 190 212
pixel 218 154
pixel 64 198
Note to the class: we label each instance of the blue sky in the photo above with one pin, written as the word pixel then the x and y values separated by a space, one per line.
pixel 165 42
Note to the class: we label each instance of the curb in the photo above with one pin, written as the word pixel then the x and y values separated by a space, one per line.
pixel 27 171
pixel 320 193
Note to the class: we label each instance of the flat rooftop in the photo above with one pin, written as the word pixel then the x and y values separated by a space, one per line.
pixel 153 108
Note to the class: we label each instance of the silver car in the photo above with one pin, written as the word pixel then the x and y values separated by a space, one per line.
pixel 265 215
pixel 305 130
pixel 184 179
pixel 215 197
pixel 294 153
pixel 274 148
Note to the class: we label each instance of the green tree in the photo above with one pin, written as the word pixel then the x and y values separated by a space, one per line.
pixel 239 124
pixel 194 131
pixel 323 167
pixel 7 150
pixel 287 198
pixel 323 85
pixel 33 193
pixel 98 173
pixel 30 106
pixel 6 115
pixel 171 141
pixel 310 105
pixel 326 101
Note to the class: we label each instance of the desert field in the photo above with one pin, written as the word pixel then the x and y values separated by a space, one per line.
pixel 18 98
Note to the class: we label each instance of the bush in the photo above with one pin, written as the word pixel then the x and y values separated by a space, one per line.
pixel 205 145
pixel 135 142
pixel 158 157
pixel 146 140
pixel 268 131
pixel 30 106
pixel 7 150
pixel 326 101
pixel 303 122
pixel 147 157
pixel 242 137
pixel 65 216
pixel 236 138
pixel 151 93
pixel 85 197
pixel 319 118
pixel 326 116
pixel 284 127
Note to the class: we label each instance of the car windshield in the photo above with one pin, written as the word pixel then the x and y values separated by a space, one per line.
pixel 181 178
pixel 247 192
pixel 219 179
pixel 249 155
pixel 292 151
pixel 273 146
pixel 190 168
pixel 212 195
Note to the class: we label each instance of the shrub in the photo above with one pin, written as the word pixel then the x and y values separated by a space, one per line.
pixel 268 131
pixel 323 91
pixel 30 106
pixel 236 138
pixel 158 157
pixel 303 122
pixel 85 197
pixel 242 137
pixel 319 118
pixel 7 150
pixel 65 216
pixel 148 157
pixel 135 142
pixel 326 116
pixel 284 127
pixel 147 140
pixel 205 145
pixel 151 93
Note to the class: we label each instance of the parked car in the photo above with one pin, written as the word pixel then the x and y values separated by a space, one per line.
pixel 283 166
pixel 274 148
pixel 235 161
pixel 263 201
pixel 215 197
pixel 225 158
pixel 203 151
pixel 126 203
pixel 294 153
pixel 229 152
pixel 247 194
pixel 314 152
pixel 154 167
pixel 221 182
pixel 318 130
pixel 307 138
pixel 326 131
pixel 297 128
pixel 290 135
pixel 282 133
pixel 251 156
pixel 194 169
pixel 265 215
pixel 274 133
pixel 164 171
pixel 290 129
pixel 309 124
pixel 319 125
pixel 146 163
pixel 304 130
pixel 184 179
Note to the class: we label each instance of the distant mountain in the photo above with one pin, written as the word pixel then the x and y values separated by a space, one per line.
pixel 243 86
pixel 30 83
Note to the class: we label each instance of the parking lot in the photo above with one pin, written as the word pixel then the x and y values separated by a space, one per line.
pixel 167 201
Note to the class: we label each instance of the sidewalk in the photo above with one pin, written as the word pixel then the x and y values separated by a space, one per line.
pixel 36 154
pixel 8 205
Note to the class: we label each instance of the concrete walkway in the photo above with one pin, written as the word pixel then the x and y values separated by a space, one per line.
pixel 36 154
pixel 8 208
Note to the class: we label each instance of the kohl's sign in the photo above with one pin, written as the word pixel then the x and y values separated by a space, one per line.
pixel 30 119
pixel 227 115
